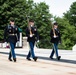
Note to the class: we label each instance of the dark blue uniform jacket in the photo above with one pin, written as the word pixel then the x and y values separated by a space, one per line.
pixel 11 34
pixel 35 37
pixel 58 38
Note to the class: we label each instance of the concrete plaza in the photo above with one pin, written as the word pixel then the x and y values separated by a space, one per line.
pixel 43 66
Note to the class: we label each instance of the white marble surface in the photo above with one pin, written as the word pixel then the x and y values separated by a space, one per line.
pixel 43 66
pixel 74 48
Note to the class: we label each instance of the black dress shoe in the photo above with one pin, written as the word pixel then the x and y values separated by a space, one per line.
pixel 35 58
pixel 9 59
pixel 51 57
pixel 59 57
pixel 28 59
pixel 14 59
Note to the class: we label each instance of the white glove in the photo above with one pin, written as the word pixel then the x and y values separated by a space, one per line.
pixel 35 29
pixel 55 36
pixel 31 35
pixel 38 41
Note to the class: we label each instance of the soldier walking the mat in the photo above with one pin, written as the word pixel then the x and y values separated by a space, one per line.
pixel 55 39
pixel 32 37
pixel 11 35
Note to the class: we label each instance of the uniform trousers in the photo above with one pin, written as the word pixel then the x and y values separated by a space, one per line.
pixel 31 51
pixel 12 51
pixel 55 50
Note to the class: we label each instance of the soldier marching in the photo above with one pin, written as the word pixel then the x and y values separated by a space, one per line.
pixel 55 40
pixel 11 35
pixel 32 37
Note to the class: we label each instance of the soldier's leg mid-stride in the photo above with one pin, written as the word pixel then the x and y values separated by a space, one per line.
pixel 32 36
pixel 11 35
pixel 55 39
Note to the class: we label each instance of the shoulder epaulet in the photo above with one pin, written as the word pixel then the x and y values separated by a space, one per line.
pixel 8 26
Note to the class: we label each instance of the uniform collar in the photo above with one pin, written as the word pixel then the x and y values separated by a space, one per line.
pixel 13 26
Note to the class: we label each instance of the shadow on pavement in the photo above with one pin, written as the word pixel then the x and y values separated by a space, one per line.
pixel 46 58
pixel 61 60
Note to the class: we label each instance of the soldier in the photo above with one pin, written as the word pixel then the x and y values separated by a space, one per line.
pixel 11 35
pixel 32 36
pixel 55 39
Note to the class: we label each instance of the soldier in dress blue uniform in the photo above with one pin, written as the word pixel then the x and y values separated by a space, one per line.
pixel 55 39
pixel 11 35
pixel 32 36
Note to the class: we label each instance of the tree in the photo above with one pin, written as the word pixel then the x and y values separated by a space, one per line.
pixel 22 11
pixel 42 19
pixel 71 14
pixel 8 9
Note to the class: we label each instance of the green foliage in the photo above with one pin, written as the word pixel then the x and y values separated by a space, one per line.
pixel 23 10
pixel 71 14
pixel 70 32
pixel 43 23
pixel 11 8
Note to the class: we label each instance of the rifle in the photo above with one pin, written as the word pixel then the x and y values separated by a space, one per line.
pixel 29 26
pixel 54 32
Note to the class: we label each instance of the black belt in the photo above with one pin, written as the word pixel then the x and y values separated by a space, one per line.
pixel 12 34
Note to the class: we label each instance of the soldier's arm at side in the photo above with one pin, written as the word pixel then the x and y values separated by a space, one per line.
pixel 51 33
pixel 36 34
pixel 27 33
pixel 5 34
pixel 59 37
pixel 18 34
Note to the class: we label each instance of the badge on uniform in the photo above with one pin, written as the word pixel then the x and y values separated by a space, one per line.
pixel 16 28
pixel 35 29
pixel 9 30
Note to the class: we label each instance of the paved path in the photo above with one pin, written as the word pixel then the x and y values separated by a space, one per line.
pixel 43 66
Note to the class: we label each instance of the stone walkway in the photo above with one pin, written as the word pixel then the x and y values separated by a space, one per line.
pixel 43 66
